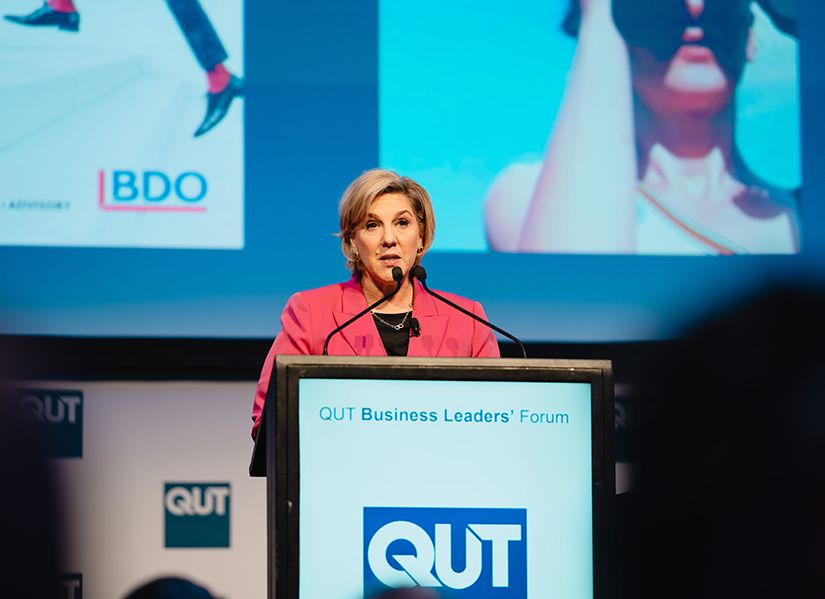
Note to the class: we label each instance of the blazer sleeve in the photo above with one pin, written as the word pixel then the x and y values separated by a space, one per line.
pixel 294 338
pixel 485 344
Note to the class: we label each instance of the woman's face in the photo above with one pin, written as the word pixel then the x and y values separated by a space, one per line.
pixel 699 70
pixel 389 237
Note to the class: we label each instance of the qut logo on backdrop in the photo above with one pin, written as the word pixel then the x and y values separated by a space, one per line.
pixel 152 190
pixel 472 552
pixel 60 412
pixel 197 514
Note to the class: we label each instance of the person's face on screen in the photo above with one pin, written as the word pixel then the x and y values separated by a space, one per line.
pixel 695 62
pixel 389 237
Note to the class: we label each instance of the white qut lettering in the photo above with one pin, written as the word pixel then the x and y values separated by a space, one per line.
pixel 72 402
pixel 444 558
pixel 34 407
pixel 416 568
pixel 500 535
pixel 179 501
pixel 70 588
pixel 219 496
pixel 54 409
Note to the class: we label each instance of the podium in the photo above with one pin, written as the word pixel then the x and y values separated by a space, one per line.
pixel 474 477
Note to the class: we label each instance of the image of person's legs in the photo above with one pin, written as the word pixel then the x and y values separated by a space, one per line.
pixel 223 87
pixel 54 13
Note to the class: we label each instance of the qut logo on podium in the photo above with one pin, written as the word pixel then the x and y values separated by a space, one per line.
pixel 471 552
pixel 197 514
pixel 151 191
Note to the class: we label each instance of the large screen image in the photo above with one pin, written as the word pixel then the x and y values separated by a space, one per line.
pixel 599 171
pixel 122 124
pixel 563 126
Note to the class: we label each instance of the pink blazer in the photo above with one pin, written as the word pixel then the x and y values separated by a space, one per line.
pixel 309 316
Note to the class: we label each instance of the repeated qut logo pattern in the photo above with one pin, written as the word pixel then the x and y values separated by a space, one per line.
pixel 60 413
pixel 470 552
pixel 197 514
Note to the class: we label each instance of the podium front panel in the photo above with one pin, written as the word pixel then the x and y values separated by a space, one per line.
pixel 458 481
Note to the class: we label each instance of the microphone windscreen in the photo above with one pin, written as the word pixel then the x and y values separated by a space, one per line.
pixel 418 272
pixel 397 274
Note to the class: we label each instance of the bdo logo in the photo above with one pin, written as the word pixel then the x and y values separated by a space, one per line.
pixel 70 586
pixel 60 411
pixel 197 514
pixel 151 190
pixel 473 552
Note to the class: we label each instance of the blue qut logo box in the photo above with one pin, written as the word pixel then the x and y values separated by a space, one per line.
pixel 197 514
pixel 60 413
pixel 465 552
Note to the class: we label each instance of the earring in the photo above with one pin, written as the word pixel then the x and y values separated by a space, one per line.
pixel 354 255
pixel 420 249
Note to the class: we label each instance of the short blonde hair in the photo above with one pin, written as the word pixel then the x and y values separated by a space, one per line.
pixel 363 191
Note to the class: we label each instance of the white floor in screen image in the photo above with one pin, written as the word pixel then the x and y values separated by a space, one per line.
pixel 73 104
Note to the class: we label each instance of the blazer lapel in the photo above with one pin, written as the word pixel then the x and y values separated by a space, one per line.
pixel 361 335
pixel 433 325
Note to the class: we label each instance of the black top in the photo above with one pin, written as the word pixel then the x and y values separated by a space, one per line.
pixel 395 342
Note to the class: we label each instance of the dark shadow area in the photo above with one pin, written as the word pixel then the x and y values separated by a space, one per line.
pixel 31 534
pixel 731 487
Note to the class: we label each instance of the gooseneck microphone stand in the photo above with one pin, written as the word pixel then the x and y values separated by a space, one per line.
pixel 419 273
pixel 398 277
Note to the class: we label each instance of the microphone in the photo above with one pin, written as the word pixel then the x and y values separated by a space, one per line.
pixel 415 328
pixel 398 277
pixel 419 273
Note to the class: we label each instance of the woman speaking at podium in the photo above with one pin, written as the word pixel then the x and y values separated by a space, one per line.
pixel 386 222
